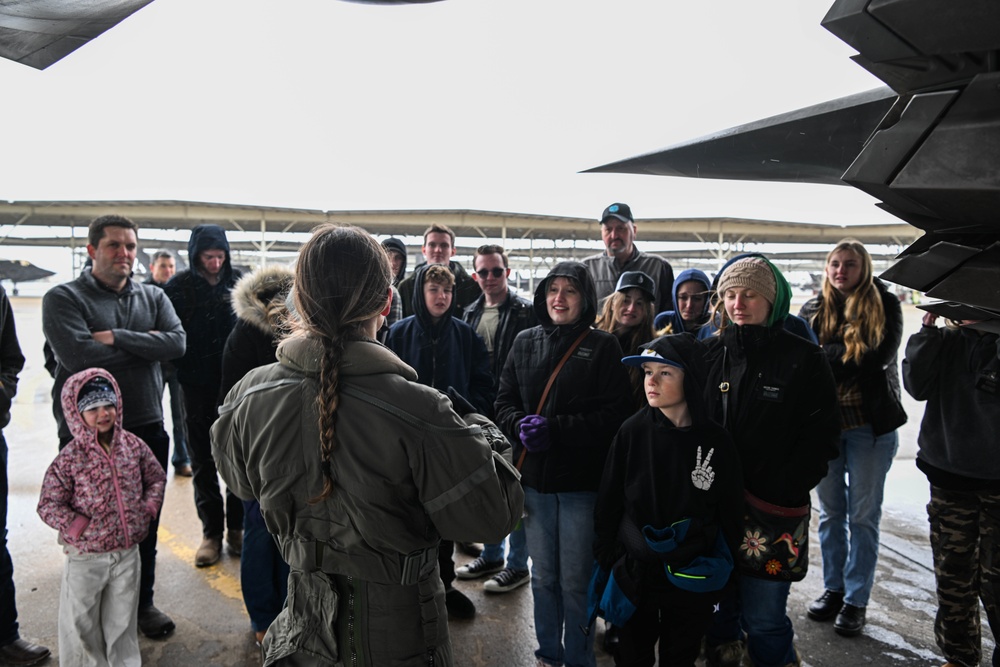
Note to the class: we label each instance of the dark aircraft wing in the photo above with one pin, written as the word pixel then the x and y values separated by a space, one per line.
pixel 927 147
pixel 40 32
pixel 812 145
pixel 21 271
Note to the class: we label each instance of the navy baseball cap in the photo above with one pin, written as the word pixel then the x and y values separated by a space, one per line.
pixel 658 351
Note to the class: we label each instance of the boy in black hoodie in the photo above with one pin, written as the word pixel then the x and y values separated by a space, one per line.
pixel 668 510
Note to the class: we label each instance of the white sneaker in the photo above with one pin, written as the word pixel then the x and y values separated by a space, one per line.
pixel 507 580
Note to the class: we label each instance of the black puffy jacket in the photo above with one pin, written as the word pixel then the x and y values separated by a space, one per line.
pixel 588 401
pixel 204 309
pixel 782 409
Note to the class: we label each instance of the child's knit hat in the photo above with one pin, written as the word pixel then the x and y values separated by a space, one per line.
pixel 95 393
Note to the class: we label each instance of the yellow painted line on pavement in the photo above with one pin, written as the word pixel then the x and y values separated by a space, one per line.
pixel 216 577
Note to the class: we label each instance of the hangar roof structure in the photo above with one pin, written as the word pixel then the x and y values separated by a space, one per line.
pixel 284 229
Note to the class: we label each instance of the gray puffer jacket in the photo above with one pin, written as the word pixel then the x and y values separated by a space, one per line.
pixel 407 472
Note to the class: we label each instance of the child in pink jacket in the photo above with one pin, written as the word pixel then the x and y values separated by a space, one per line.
pixel 100 493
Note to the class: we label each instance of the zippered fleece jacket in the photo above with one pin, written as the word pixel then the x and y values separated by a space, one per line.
pixel 146 329
pixel 99 500
pixel 407 471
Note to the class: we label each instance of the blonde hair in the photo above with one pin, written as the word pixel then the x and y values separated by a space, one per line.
pixel 633 337
pixel 860 317
pixel 341 281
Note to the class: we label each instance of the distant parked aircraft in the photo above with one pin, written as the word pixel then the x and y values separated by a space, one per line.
pixel 21 271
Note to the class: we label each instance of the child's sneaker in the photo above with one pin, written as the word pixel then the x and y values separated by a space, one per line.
pixel 507 580
pixel 478 567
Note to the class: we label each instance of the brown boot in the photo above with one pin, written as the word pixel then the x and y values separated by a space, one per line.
pixel 209 552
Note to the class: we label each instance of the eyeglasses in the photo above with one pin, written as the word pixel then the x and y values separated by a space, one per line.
pixel 496 272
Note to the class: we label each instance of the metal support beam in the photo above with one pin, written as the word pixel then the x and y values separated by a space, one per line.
pixel 263 242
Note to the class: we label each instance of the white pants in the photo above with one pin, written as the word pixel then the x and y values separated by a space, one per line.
pixel 98 606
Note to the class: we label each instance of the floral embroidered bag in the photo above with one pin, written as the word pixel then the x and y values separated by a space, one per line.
pixel 775 541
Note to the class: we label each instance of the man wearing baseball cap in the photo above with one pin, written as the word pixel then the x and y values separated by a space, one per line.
pixel 618 230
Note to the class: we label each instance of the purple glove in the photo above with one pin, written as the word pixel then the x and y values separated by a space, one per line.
pixel 535 433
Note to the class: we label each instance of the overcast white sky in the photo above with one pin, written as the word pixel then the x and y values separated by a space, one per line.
pixel 482 104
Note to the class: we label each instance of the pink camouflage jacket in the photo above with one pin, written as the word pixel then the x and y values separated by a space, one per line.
pixel 100 501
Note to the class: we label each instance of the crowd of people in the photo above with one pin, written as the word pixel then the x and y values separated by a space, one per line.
pixel 650 444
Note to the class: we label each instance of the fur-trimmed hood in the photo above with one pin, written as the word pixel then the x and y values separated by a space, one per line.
pixel 256 290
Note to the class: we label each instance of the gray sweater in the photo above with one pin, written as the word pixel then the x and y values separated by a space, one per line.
pixel 146 330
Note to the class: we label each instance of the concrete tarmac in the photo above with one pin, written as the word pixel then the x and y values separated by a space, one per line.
pixel 213 629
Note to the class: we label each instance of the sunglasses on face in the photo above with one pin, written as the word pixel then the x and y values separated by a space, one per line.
pixel 496 272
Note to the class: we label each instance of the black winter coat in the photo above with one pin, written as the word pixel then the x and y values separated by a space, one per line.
pixel 254 340
pixel 516 315
pixel 588 401
pixel 782 409
pixel 446 353
pixel 204 309
pixel 877 374
pixel 11 358
pixel 466 290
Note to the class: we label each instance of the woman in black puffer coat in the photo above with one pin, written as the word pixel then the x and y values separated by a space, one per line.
pixel 563 445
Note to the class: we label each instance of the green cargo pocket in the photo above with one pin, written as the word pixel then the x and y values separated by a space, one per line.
pixel 304 633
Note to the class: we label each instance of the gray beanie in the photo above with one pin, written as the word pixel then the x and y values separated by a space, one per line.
pixel 750 272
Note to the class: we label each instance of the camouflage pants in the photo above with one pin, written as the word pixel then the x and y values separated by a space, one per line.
pixel 965 539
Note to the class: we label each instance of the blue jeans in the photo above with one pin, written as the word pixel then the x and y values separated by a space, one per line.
pixel 180 456
pixel 757 607
pixel 517 557
pixel 263 572
pixel 850 500
pixel 560 532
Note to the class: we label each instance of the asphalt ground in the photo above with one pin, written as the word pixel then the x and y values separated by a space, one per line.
pixel 213 628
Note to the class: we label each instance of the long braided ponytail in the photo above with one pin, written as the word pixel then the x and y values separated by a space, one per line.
pixel 341 281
